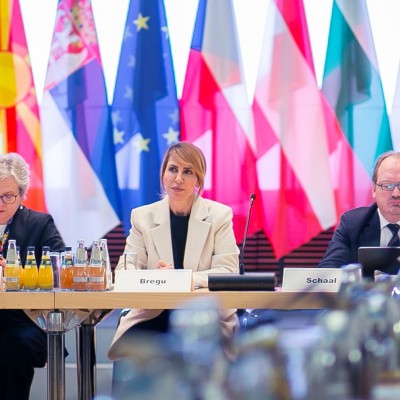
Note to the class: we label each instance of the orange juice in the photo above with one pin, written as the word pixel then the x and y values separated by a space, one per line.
pixel 31 278
pixel 96 278
pixel 67 270
pixel 79 277
pixel 30 275
pixel 96 269
pixel 66 278
pixel 80 267
pixel 21 276
pixel 21 270
pixel 46 276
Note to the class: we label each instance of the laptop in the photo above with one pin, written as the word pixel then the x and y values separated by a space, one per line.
pixel 384 259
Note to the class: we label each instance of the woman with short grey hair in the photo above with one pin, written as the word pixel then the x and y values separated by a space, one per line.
pixel 23 345
pixel 13 165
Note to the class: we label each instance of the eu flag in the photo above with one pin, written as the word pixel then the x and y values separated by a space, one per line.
pixel 145 112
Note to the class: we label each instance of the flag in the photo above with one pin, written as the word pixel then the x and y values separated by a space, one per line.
pixel 356 116
pixel 395 115
pixel 292 148
pixel 19 111
pixel 80 172
pixel 216 114
pixel 145 111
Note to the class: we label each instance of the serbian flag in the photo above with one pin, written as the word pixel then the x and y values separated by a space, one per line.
pixel 357 120
pixel 292 148
pixel 19 112
pixel 145 111
pixel 80 172
pixel 216 115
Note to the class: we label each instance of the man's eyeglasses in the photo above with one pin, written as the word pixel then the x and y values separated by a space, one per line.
pixel 9 198
pixel 388 187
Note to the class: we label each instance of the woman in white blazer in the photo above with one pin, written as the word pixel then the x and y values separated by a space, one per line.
pixel 183 230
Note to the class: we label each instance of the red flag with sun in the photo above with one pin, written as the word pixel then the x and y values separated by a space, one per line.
pixel 19 111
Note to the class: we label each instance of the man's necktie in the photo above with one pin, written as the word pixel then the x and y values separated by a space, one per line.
pixel 395 240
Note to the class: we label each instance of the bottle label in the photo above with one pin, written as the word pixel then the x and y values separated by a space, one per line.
pixel 11 279
pixel 30 264
pixel 67 264
pixel 45 263
pixel 80 279
pixel 96 279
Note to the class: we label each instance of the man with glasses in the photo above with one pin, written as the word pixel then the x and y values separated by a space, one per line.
pixel 23 346
pixel 372 226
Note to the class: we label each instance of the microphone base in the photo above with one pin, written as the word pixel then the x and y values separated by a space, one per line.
pixel 252 281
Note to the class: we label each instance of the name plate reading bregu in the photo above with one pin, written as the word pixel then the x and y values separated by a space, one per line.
pixel 311 279
pixel 153 280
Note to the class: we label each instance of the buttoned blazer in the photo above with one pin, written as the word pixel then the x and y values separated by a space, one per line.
pixel 210 248
pixel 358 227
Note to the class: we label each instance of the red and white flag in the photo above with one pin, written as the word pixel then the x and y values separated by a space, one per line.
pixel 292 150
pixel 216 115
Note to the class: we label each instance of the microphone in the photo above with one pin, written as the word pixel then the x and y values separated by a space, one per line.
pixel 246 231
pixel 243 281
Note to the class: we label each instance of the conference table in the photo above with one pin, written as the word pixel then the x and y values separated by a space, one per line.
pixel 57 312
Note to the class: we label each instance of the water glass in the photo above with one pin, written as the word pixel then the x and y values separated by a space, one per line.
pixel 55 263
pixel 130 260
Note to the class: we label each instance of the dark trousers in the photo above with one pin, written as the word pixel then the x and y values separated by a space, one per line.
pixel 23 346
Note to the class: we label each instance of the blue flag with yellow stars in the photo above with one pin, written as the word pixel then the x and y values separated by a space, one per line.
pixel 145 111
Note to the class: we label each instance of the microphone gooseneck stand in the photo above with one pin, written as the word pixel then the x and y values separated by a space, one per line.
pixel 243 281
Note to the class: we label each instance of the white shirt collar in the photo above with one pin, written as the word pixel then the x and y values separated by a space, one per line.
pixel 384 221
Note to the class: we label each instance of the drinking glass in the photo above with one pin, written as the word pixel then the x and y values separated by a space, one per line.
pixel 55 263
pixel 130 260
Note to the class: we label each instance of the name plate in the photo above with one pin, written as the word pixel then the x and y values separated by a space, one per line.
pixel 311 279
pixel 153 280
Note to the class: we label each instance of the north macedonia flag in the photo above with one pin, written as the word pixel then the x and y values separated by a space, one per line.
pixel 19 111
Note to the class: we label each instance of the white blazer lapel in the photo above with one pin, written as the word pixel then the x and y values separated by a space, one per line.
pixel 197 234
pixel 161 233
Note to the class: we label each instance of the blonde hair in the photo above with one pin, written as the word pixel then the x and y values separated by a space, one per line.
pixel 186 153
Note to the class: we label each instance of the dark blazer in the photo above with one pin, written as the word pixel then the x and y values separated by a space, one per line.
pixel 357 227
pixel 28 228
pixel 33 228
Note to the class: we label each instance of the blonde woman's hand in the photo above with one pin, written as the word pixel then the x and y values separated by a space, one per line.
pixel 164 265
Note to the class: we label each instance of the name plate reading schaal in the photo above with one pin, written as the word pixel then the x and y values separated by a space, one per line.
pixel 153 280
pixel 311 279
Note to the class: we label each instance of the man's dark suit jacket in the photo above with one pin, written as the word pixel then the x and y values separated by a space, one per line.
pixel 357 227
pixel 33 228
